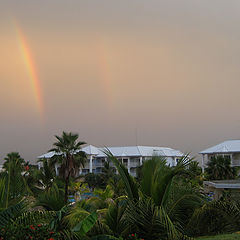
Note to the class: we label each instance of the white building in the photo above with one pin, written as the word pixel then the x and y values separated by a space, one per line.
pixel 1 166
pixel 230 148
pixel 130 156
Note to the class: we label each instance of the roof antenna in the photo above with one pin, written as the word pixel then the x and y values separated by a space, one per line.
pixel 136 136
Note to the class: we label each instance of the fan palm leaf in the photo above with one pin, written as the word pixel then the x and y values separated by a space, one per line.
pixel 69 156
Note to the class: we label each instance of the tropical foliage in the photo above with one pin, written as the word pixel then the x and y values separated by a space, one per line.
pixel 163 203
pixel 219 168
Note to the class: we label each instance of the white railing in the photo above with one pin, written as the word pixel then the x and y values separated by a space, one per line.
pixel 134 164
pixel 235 163
pixel 98 164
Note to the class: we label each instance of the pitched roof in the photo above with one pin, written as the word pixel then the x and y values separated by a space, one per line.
pixel 128 151
pixel 91 150
pixel 144 151
pixel 47 155
pixel 229 146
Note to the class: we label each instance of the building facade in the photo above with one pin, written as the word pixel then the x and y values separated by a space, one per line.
pixel 131 156
pixel 229 148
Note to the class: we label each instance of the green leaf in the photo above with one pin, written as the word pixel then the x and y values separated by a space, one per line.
pixel 86 224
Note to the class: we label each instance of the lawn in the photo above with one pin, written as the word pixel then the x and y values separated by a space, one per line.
pixel 234 236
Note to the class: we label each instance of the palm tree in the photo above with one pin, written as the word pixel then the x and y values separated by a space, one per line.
pixel 45 176
pixel 15 183
pixel 219 168
pixel 69 156
pixel 160 207
pixel 15 160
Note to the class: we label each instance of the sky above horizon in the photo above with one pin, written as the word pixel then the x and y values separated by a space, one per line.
pixel 161 73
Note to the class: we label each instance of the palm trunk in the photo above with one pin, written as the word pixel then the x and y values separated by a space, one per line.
pixel 8 186
pixel 66 175
pixel 66 188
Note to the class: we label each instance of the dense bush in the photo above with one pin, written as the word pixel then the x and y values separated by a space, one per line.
pixel 21 231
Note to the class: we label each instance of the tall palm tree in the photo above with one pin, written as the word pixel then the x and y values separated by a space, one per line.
pixel 69 156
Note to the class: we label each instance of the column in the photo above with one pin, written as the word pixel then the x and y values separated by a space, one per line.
pixel 231 157
pixel 56 169
pixel 90 164
pixel 141 161
pixel 128 166
pixel 105 160
pixel 39 165
pixel 203 156
pixel 173 162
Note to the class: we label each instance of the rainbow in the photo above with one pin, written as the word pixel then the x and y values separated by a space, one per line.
pixel 106 78
pixel 31 69
pixel 104 70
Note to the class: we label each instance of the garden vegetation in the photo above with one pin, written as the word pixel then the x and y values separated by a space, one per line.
pixel 162 203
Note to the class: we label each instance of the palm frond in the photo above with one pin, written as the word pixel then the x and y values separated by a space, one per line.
pixel 75 215
pixel 215 217
pixel 11 213
pixel 115 217
pixel 129 182
pixel 34 217
pixel 2 192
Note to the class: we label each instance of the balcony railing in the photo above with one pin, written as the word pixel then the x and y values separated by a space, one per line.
pixel 235 163
pixel 96 171
pixel 134 164
pixel 98 164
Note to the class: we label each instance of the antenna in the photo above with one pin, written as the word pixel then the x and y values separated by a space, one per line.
pixel 136 136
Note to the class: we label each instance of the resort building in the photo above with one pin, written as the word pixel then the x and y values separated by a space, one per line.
pixel 131 156
pixel 230 148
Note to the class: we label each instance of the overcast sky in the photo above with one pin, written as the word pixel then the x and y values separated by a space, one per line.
pixel 151 72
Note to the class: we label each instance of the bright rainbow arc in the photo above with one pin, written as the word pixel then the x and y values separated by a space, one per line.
pixel 31 69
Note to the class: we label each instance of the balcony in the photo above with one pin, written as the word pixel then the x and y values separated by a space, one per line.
pixel 97 170
pixel 98 164
pixel 235 163
pixel 134 164
pixel 85 171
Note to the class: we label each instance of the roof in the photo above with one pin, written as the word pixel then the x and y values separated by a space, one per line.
pixel 229 146
pixel 91 150
pixel 128 151
pixel 47 155
pixel 143 151
pixel 233 184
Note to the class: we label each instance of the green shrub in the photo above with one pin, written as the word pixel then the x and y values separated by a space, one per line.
pixel 20 231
